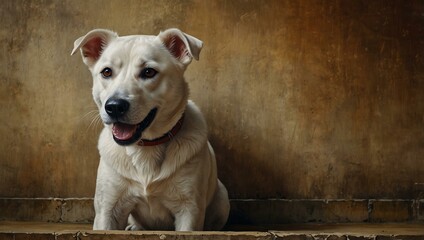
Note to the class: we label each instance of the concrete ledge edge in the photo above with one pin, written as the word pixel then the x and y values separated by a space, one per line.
pixel 243 211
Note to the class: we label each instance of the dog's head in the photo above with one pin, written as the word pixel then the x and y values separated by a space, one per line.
pixel 138 81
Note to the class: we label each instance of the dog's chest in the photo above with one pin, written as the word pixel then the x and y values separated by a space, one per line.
pixel 145 167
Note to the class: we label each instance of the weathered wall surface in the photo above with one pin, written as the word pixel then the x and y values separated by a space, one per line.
pixel 304 99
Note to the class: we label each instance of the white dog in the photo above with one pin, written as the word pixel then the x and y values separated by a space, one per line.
pixel 157 169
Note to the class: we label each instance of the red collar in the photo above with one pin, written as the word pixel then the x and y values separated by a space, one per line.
pixel 165 138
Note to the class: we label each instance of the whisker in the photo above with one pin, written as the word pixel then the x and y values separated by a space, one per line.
pixel 93 117
pixel 95 121
pixel 90 114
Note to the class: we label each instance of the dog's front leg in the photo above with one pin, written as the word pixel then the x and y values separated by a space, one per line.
pixel 189 218
pixel 104 221
pixel 111 211
pixel 110 202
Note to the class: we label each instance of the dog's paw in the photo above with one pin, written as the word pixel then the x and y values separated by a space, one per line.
pixel 133 227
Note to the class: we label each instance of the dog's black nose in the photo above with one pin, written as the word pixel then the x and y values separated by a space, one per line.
pixel 116 107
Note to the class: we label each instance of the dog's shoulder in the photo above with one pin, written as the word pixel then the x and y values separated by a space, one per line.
pixel 191 141
pixel 195 118
pixel 194 132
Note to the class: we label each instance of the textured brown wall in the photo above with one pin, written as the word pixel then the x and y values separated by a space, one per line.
pixel 304 99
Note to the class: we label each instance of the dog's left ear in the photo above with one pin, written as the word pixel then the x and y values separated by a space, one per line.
pixel 181 45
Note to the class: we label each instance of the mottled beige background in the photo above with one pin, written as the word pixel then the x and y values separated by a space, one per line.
pixel 304 99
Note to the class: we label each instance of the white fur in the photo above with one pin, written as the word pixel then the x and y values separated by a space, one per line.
pixel 173 186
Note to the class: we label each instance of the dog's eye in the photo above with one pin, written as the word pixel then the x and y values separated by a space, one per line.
pixel 106 73
pixel 148 73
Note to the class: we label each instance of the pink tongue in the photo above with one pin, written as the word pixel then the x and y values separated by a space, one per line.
pixel 123 131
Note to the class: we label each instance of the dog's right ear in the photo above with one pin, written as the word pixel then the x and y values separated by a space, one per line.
pixel 93 44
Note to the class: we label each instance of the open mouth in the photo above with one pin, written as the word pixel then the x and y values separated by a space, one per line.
pixel 126 134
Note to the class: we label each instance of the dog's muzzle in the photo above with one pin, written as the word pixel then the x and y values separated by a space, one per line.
pixel 123 133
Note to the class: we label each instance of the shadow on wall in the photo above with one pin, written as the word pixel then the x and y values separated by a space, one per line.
pixel 259 179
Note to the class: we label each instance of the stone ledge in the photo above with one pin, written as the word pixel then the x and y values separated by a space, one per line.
pixel 243 211
pixel 62 231
pixel 281 211
pixel 76 210
pixel 30 209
